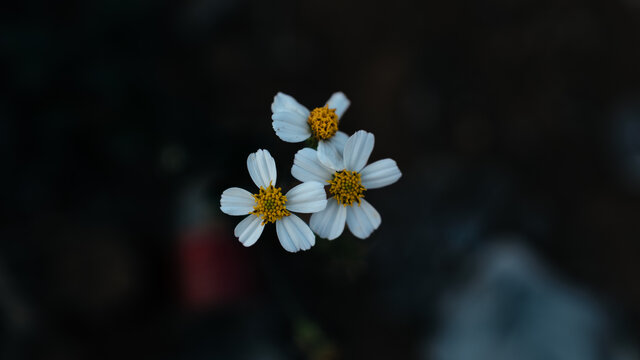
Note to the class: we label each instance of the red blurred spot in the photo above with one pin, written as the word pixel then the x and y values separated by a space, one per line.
pixel 216 269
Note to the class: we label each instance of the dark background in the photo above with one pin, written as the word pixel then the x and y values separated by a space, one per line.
pixel 513 233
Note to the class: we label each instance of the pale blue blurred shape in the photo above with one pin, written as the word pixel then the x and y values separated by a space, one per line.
pixel 513 308
pixel 626 142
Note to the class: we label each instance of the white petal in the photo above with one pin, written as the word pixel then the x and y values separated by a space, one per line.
pixel 284 102
pixel 357 150
pixel 330 151
pixel 363 219
pixel 262 168
pixel 307 167
pixel 236 201
pixel 339 102
pixel 329 223
pixel 380 173
pixel 308 197
pixel 329 156
pixel 290 126
pixel 339 140
pixel 294 234
pixel 248 231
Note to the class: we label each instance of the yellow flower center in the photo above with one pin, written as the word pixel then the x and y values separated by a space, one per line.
pixel 323 122
pixel 270 204
pixel 346 187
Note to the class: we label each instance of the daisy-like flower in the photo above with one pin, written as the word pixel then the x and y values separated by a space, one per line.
pixel 294 123
pixel 269 205
pixel 347 185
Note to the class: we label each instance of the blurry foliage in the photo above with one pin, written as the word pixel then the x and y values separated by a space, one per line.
pixel 313 342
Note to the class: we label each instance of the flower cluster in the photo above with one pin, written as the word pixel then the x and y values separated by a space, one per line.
pixel 339 163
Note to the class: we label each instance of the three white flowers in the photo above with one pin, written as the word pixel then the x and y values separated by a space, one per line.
pixel 339 162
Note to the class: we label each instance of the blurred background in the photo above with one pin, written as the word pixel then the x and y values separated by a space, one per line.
pixel 513 233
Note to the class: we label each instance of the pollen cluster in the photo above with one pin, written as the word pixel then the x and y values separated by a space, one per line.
pixel 270 204
pixel 346 187
pixel 323 122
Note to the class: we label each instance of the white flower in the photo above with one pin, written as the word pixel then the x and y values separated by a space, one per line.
pixel 294 123
pixel 348 182
pixel 269 205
